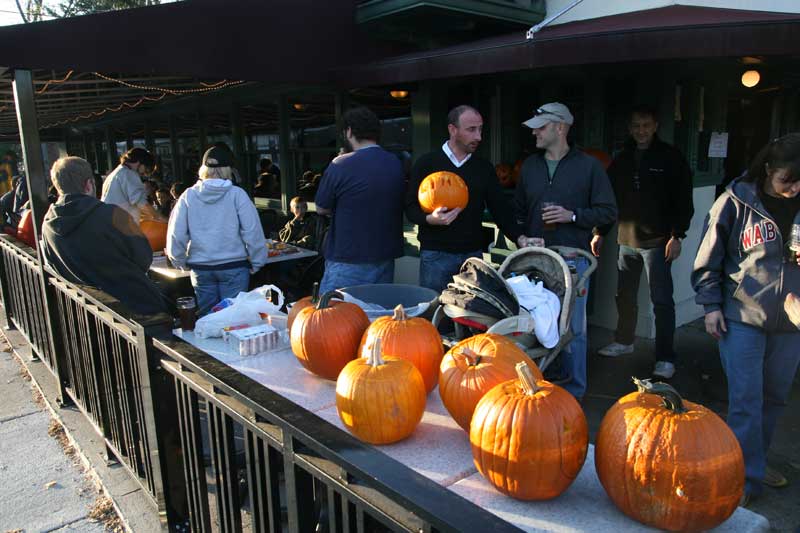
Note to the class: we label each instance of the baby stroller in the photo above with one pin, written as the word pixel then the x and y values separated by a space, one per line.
pixel 480 300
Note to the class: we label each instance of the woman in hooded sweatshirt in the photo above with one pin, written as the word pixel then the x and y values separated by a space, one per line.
pixel 214 230
pixel 743 273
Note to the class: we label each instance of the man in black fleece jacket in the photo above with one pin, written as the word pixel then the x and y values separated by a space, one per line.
pixel 581 199
pixel 92 243
pixel 653 185
pixel 448 237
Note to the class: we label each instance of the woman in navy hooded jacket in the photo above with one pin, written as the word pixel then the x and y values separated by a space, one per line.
pixel 743 273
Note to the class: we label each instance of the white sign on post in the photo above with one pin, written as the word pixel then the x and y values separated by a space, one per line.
pixel 718 146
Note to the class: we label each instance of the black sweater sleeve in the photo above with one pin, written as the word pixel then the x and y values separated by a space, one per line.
pixel 414 212
pixel 682 201
pixel 613 177
pixel 603 205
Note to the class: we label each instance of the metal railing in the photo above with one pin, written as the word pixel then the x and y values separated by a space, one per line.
pixel 23 296
pixel 272 466
pixel 206 443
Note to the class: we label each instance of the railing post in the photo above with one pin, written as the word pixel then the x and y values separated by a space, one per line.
pixel 161 424
pixel 35 175
pixel 5 292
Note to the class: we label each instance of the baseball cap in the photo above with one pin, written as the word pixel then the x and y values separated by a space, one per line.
pixel 552 112
pixel 216 156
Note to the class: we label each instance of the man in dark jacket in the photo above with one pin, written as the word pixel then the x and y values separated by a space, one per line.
pixel 562 196
pixel 653 185
pixel 92 243
pixel 448 237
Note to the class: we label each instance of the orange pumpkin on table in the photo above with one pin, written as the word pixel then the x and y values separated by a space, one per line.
pixel 529 437
pixel 156 233
pixel 380 400
pixel 325 337
pixel 668 463
pixel 302 303
pixel 472 367
pixel 442 189
pixel 414 339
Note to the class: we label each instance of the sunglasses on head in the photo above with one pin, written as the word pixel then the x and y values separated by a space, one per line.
pixel 541 111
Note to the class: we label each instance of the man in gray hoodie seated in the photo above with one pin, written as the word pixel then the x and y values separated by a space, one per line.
pixel 92 243
pixel 214 231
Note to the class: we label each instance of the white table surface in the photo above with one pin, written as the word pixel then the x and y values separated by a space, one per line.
pixel 159 264
pixel 439 449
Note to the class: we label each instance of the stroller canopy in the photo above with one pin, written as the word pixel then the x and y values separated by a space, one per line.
pixel 479 289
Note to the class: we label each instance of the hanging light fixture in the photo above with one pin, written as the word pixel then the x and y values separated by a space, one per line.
pixel 398 94
pixel 751 78
pixel 299 107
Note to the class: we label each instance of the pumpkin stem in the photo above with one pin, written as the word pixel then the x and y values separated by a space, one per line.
pixel 315 293
pixel 325 301
pixel 672 399
pixel 527 379
pixel 400 313
pixel 374 356
pixel 472 358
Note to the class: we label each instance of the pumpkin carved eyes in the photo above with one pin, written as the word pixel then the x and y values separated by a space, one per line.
pixel 442 189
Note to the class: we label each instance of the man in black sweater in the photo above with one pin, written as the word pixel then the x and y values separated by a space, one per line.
pixel 448 237
pixel 653 186
pixel 93 243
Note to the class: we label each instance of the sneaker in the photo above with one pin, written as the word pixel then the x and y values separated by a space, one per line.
pixel 774 479
pixel 664 369
pixel 616 349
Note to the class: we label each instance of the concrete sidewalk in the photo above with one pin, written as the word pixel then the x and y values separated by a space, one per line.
pixel 42 489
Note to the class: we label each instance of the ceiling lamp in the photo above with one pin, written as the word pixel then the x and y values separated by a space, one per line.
pixel 751 78
pixel 398 94
pixel 299 107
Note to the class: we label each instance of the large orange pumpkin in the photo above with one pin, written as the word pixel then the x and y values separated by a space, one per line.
pixel 156 233
pixel 504 175
pixel 529 438
pixel 414 339
pixel 516 172
pixel 380 401
pixel 301 304
pixel 472 367
pixel 442 189
pixel 325 337
pixel 668 463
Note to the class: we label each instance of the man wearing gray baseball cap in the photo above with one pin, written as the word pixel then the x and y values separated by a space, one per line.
pixel 563 194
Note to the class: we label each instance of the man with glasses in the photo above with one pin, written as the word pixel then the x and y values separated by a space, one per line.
pixel 562 196
pixel 653 186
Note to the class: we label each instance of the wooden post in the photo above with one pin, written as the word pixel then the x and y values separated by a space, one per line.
pixel 202 131
pixel 113 157
pixel 128 136
pixel 240 157
pixel 37 181
pixel 288 178
pixel 149 142
pixel 175 149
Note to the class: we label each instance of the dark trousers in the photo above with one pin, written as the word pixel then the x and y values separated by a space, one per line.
pixel 659 276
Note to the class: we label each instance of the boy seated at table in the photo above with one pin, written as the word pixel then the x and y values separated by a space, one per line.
pixel 299 230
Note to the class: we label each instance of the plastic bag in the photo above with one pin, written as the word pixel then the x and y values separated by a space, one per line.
pixel 245 309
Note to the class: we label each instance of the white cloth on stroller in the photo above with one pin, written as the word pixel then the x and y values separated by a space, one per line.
pixel 542 304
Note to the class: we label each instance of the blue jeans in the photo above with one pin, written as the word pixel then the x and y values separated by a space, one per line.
pixel 573 358
pixel 436 269
pixel 211 286
pixel 659 277
pixel 760 367
pixel 338 275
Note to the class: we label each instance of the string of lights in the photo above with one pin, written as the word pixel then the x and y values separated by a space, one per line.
pixel 120 107
pixel 206 87
pixel 46 85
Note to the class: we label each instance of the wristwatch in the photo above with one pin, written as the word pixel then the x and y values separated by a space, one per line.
pixel 574 217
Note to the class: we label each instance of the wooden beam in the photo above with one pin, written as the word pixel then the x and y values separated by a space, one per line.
pixel 175 149
pixel 288 178
pixel 111 148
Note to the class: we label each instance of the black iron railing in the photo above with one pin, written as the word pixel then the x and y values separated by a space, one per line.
pixel 273 466
pixel 205 442
pixel 23 296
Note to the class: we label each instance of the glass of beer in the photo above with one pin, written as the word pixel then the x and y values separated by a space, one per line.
pixel 552 225
pixel 187 312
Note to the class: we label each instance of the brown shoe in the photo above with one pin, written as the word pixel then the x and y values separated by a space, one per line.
pixel 774 479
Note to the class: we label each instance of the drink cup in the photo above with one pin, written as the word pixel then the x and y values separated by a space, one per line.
pixel 548 226
pixel 187 312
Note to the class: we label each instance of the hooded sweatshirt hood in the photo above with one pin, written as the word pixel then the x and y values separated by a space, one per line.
pixel 211 191
pixel 70 211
